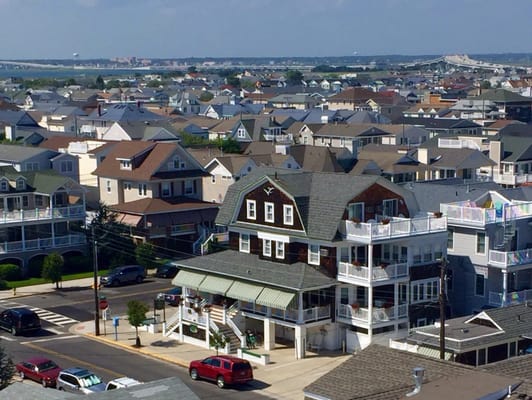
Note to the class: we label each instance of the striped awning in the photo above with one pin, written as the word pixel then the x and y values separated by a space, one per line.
pixel 274 298
pixel 244 291
pixel 188 279
pixel 216 285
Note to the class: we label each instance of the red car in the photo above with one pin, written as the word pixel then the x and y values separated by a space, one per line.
pixel 224 370
pixel 39 369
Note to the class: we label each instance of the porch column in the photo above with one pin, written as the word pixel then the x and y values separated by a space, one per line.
pixel 23 236
pixel 300 334
pixel 504 287
pixel 269 334
pixel 395 301
pixel 180 323
pixel 207 330
pixel 370 291
pixel 300 308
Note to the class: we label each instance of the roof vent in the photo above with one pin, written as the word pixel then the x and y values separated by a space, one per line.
pixel 417 373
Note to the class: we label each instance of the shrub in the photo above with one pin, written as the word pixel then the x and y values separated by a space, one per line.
pixel 3 285
pixel 10 272
pixel 75 264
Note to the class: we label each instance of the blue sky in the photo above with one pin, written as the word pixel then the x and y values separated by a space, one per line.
pixel 261 28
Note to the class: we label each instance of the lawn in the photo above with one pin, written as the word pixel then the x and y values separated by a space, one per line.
pixel 40 281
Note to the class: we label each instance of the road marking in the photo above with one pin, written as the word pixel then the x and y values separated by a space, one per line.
pixel 57 332
pixel 50 339
pixel 9 339
pixel 46 315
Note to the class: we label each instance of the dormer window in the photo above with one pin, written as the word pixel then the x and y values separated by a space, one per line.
pixel 4 185
pixel 21 184
pixel 178 164
pixel 125 164
pixel 241 133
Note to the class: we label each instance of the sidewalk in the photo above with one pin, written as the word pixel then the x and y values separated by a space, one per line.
pixel 284 378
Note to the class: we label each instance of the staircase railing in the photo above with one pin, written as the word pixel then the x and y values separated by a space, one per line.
pixel 171 324
pixel 236 331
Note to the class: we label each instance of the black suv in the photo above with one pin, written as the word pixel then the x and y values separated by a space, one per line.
pixel 125 274
pixel 19 320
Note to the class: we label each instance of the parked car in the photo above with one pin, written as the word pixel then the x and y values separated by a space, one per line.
pixel 123 382
pixel 39 369
pixel 223 369
pixel 166 271
pixel 19 320
pixel 171 297
pixel 124 274
pixel 79 380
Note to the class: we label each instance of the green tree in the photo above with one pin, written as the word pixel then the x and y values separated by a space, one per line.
pixel 218 340
pixel 294 77
pixel 485 85
pixel 155 83
pixel 192 69
pixel 206 96
pixel 136 314
pixel 229 145
pixel 70 82
pixel 145 255
pixel 52 269
pixel 113 83
pixel 187 140
pixel 233 81
pixel 7 369
pixel 100 84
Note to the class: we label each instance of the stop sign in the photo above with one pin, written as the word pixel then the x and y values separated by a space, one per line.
pixel 104 304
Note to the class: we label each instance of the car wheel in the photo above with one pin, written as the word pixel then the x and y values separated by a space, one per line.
pixel 14 331
pixel 61 388
pixel 220 381
pixel 139 279
pixel 43 383
pixel 21 374
pixel 194 374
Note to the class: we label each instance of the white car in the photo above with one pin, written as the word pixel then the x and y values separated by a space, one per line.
pixel 123 382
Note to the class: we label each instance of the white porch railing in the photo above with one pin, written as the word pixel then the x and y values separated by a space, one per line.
pixel 38 214
pixel 379 273
pixel 396 228
pixel 496 299
pixel 511 179
pixel 380 314
pixel 290 314
pixel 44 243
pixel 505 259
pixel 468 213
pixel 171 324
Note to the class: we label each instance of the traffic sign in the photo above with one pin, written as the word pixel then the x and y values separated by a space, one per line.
pixel 104 304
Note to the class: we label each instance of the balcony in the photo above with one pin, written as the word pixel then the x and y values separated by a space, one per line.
pixel 467 213
pixel 290 314
pixel 43 243
pixel 511 179
pixel 42 214
pixel 508 259
pixel 351 273
pixel 379 314
pixel 397 228
pixel 496 299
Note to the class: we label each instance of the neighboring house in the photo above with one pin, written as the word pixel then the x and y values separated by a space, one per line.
pixel 185 102
pixel 488 336
pixel 447 126
pixel 258 129
pixel 105 115
pixel 11 120
pixel 156 188
pixel 317 260
pixel 513 156
pixel 226 111
pixel 476 109
pixel 158 131
pixel 353 98
pixel 42 212
pixel 299 101
pixel 382 373
pixel 510 105
pixel 24 159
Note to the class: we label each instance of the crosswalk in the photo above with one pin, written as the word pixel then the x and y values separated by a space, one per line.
pixel 44 315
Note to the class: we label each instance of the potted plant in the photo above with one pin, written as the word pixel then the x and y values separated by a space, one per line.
pixel 385 221
pixel 438 214
pixel 355 307
pixel 355 220
pixel 356 263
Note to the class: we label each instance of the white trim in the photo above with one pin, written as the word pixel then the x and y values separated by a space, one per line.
pixel 269 248
pixel 248 213
pixel 286 220
pixel 273 237
pixel 267 204
pixel 279 250
pixel 240 241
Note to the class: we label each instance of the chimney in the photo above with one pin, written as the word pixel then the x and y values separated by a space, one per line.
pixel 496 151
pixel 423 155
pixel 418 374
pixel 11 132
pixel 99 110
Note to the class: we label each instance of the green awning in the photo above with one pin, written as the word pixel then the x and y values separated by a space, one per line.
pixel 188 279
pixel 244 291
pixel 274 298
pixel 216 285
pixel 434 353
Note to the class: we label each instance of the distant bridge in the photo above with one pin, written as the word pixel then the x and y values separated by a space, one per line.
pixel 31 65
pixel 460 61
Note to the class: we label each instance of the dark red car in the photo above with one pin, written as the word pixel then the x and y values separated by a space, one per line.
pixel 40 369
pixel 224 370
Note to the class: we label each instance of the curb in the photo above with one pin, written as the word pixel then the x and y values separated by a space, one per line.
pixel 132 349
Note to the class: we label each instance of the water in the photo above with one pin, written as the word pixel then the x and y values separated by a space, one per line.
pixel 64 73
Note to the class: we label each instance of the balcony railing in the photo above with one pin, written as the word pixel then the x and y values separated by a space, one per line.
pixel 468 213
pixel 505 259
pixel 511 179
pixel 290 314
pixel 380 314
pixel 43 243
pixel 496 299
pixel 396 228
pixel 42 214
pixel 379 273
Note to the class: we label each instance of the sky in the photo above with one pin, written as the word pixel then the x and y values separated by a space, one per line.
pixel 56 29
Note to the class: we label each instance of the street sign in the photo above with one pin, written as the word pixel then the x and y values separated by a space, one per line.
pixel 104 304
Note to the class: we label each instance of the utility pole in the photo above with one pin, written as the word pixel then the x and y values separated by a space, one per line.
pixel 95 285
pixel 443 272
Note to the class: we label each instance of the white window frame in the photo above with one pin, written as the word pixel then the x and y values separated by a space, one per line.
pixel 419 290
pixel 477 242
pixel 450 237
pixel 127 186
pixel 244 243
pixel 21 184
pixel 241 133
pixel 288 214
pixel 314 254
pixel 251 209
pixel 143 189
pixel 390 203
pixel 279 250
pixel 269 212
pixel 125 164
pixel 267 247
pixel 166 189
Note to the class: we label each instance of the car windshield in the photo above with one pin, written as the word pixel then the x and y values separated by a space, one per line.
pixel 89 380
pixel 46 365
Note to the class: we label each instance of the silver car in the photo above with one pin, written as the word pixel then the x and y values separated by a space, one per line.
pixel 79 380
